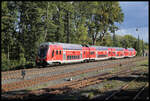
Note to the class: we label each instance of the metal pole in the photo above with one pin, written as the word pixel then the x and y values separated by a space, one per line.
pixel 142 47
pixel 138 48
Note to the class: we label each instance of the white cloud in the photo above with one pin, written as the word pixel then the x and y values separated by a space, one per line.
pixel 142 32
pixel 135 13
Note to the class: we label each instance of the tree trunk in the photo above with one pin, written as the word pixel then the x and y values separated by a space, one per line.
pixel 47 21
pixel 93 40
pixel 8 54
pixel 68 33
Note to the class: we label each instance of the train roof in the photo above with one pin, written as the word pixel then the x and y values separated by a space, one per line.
pixel 65 45
pixel 119 48
pixel 130 49
pixel 79 47
pixel 100 47
pixel 70 46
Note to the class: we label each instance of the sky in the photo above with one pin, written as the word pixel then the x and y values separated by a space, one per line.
pixel 135 17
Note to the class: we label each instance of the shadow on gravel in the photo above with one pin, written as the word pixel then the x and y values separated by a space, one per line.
pixel 143 78
pixel 144 65
pixel 38 95
pixel 71 95
pixel 125 95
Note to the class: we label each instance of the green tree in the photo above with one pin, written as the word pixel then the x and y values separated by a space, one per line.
pixel 101 18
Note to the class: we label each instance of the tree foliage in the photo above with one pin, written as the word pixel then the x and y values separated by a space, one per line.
pixel 25 24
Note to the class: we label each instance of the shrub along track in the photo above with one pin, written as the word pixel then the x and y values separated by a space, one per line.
pixel 75 84
pixel 38 80
pixel 9 75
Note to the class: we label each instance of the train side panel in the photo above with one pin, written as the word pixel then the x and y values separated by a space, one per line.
pixel 92 53
pixel 50 53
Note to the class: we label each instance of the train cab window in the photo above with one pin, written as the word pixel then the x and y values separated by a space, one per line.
pixel 42 52
pixel 53 53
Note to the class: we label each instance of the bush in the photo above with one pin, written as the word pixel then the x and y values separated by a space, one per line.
pixel 5 62
pixel 22 59
pixel 90 95
pixel 16 64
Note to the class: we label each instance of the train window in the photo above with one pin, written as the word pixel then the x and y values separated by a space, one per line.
pixel 43 51
pixel 70 57
pixel 91 53
pixel 60 52
pixel 109 52
pixel 56 52
pixel 53 53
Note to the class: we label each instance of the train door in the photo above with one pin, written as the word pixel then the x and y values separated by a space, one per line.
pixel 109 52
pixel 81 54
pixel 53 53
pixel 84 52
pixel 58 54
pixel 64 55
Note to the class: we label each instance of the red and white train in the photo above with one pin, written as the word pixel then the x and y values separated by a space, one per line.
pixel 52 52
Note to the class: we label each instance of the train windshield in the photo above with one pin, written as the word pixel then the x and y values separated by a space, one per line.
pixel 43 51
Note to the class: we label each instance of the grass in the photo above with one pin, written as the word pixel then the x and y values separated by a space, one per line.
pixel 91 95
pixel 37 87
pixel 108 86
pixel 143 63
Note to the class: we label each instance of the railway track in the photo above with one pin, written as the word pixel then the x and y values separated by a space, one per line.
pixel 31 72
pixel 121 92
pixel 38 80
pixel 140 91
pixel 75 84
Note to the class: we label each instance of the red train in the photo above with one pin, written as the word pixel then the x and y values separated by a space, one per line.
pixel 52 52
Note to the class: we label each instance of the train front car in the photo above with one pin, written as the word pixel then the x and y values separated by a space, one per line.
pixel 42 54
pixel 71 53
pixel 132 52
